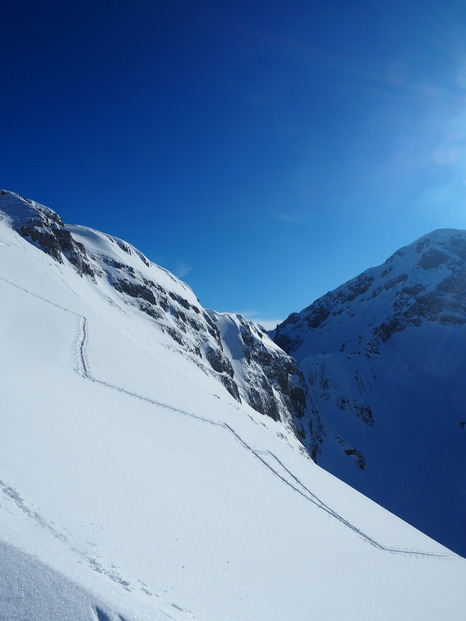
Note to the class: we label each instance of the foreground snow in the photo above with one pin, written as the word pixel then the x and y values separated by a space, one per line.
pixel 147 490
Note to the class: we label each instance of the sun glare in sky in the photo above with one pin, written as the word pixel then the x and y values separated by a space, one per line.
pixel 263 154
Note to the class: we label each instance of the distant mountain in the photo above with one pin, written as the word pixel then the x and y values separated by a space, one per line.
pixel 384 358
pixel 150 466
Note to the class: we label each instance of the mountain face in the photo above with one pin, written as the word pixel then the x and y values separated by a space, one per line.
pixel 384 358
pixel 136 481
pixel 269 380
pixel 275 383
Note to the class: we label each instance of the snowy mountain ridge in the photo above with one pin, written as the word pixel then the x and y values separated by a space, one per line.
pixel 172 305
pixel 421 282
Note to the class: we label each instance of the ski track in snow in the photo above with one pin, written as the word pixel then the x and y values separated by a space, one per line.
pixel 266 457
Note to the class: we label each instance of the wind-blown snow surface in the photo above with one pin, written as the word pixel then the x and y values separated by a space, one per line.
pixel 150 493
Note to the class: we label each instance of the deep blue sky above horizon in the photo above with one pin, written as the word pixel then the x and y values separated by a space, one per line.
pixel 264 152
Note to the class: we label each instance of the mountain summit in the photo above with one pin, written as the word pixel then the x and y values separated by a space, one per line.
pixel 384 357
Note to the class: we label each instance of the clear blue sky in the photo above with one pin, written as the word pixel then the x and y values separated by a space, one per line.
pixel 266 152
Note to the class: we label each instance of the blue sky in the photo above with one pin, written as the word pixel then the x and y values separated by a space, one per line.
pixel 264 152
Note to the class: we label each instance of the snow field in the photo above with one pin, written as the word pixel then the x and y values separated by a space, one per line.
pixel 114 476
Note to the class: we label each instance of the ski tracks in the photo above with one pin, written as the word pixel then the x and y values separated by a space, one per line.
pixel 82 368
pixel 268 459
pixel 273 464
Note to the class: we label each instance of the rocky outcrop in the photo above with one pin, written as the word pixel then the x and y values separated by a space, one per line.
pixel 45 229
pixel 188 324
pixel 268 379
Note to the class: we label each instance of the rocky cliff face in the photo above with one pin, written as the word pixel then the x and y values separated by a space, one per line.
pixel 109 261
pixel 384 360
pixel 265 377
pixel 268 379
pixel 45 229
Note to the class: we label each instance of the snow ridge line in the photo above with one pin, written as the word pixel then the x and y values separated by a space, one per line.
pixel 83 369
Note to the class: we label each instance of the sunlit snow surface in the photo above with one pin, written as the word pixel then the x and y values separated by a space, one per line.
pixel 151 494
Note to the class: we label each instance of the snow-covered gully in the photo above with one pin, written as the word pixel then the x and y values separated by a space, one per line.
pixel 268 459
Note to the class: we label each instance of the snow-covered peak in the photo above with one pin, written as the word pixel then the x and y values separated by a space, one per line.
pixel 45 229
pixel 21 210
pixel 429 258
pixel 424 281
pixel 81 245
pixel 230 324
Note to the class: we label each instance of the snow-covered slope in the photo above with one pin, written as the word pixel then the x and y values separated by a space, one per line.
pixel 126 277
pixel 134 486
pixel 384 357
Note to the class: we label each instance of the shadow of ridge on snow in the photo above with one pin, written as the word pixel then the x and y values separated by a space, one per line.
pixel 103 616
pixel 29 589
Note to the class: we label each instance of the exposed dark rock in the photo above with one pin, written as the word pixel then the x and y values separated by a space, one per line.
pixel 358 286
pixel 122 245
pixel 412 290
pixel 362 411
pixel 46 230
pixel 385 330
pixel 389 284
pixel 218 361
pixel 213 330
pixel 317 315
pixel 315 438
pixel 231 386
pixel 135 290
pixel 433 258
pixel 44 238
pixel 357 457
pixel 175 334
pixel 287 342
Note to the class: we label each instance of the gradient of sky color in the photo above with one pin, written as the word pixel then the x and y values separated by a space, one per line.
pixel 265 152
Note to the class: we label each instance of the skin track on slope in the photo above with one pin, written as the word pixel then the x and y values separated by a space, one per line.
pixel 82 367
